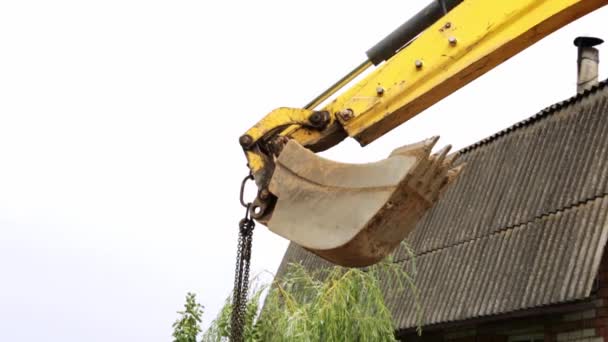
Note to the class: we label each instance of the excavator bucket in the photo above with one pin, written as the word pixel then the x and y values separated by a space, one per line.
pixel 356 214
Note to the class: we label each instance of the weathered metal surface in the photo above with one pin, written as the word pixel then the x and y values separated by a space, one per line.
pixel 443 58
pixel 525 226
pixel 356 214
pixel 551 260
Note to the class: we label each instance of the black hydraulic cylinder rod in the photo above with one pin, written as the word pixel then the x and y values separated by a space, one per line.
pixel 392 43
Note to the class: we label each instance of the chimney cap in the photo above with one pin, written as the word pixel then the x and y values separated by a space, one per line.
pixel 587 41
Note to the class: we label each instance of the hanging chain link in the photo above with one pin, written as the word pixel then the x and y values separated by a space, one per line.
pixel 241 276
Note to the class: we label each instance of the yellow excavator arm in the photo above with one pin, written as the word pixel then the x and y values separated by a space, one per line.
pixel 355 215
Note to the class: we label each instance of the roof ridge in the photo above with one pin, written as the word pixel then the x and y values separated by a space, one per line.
pixel 537 218
pixel 547 111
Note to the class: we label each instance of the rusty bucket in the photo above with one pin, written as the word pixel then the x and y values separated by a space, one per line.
pixel 356 214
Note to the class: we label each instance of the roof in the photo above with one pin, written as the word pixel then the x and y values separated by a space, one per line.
pixel 524 226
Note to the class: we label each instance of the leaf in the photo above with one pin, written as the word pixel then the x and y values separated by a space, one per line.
pixel 333 304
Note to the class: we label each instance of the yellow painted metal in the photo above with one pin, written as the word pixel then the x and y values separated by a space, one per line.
pixel 255 161
pixel 310 194
pixel 486 32
pixel 279 118
pixel 339 85
pixel 470 40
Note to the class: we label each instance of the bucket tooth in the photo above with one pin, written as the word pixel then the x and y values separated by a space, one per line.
pixel 436 163
pixel 447 176
pixel 355 214
pixel 419 149
pixel 452 174
pixel 451 158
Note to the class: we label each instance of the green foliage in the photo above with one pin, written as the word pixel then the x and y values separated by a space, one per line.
pixel 187 327
pixel 219 330
pixel 338 304
pixel 334 304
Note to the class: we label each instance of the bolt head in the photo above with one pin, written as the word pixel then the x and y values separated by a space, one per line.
pixel 447 25
pixel 418 64
pixel 264 194
pixel 346 114
pixel 319 119
pixel 379 91
pixel 246 141
pixel 452 41
pixel 315 117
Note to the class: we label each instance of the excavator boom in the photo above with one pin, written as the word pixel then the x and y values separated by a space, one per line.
pixel 354 215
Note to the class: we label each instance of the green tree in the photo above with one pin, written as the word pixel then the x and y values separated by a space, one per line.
pixel 332 304
pixel 187 327
pixel 335 304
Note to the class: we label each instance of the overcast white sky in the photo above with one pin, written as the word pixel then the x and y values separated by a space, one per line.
pixel 119 161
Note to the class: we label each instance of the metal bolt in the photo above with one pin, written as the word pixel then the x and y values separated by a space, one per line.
pixel 319 119
pixel 246 141
pixel 315 118
pixel 379 91
pixel 447 25
pixel 418 64
pixel 264 194
pixel 346 114
pixel 452 41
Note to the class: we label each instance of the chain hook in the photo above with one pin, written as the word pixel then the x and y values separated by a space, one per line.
pixel 243 183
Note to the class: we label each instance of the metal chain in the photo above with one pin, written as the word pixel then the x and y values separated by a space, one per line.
pixel 241 276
